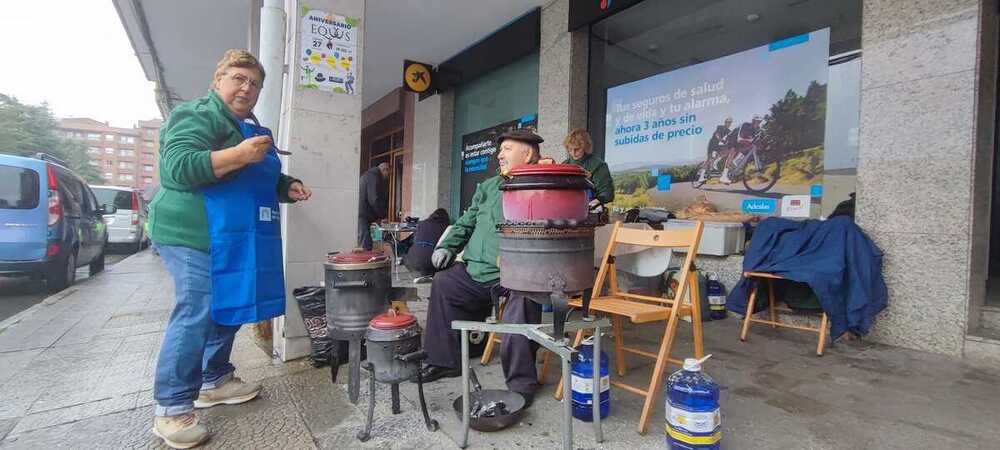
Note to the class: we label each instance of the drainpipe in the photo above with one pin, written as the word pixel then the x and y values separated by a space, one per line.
pixel 272 57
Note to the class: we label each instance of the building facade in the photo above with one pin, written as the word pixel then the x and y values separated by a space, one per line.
pixel 910 91
pixel 127 157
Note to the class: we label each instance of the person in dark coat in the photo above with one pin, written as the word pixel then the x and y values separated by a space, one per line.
pixel 372 202
pixel 429 231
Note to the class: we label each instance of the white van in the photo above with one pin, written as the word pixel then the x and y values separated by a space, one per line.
pixel 127 225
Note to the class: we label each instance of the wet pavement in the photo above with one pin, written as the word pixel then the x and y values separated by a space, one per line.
pixel 76 372
pixel 20 293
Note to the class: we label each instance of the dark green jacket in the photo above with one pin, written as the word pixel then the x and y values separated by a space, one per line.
pixel 604 186
pixel 476 232
pixel 194 129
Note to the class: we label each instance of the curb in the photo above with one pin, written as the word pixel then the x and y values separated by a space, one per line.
pixel 51 300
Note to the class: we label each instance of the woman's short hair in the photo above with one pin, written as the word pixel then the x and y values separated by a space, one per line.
pixel 579 138
pixel 237 58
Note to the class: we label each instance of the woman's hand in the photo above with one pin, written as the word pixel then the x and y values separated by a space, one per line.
pixel 298 191
pixel 254 149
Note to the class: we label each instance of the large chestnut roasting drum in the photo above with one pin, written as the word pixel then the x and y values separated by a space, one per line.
pixel 546 192
pixel 357 289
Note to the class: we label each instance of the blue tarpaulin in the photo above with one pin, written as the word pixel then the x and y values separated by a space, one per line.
pixel 834 257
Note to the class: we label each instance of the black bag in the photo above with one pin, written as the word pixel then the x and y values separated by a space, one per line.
pixel 312 304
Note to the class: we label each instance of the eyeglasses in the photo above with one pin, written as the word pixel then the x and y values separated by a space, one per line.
pixel 242 80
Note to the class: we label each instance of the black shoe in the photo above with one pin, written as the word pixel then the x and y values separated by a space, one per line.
pixel 529 398
pixel 431 373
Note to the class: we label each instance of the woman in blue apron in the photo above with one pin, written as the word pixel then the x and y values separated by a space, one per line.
pixel 216 223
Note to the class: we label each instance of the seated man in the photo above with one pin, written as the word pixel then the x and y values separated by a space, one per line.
pixel 463 291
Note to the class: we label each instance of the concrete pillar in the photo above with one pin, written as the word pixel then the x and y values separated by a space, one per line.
pixel 562 78
pixel 433 127
pixel 323 132
pixel 915 171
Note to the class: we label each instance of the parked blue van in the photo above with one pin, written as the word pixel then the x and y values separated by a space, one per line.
pixel 50 221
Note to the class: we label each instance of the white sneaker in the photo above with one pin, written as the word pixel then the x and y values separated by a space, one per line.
pixel 701 176
pixel 233 392
pixel 724 179
pixel 181 431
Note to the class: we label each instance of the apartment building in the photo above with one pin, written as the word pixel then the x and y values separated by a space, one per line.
pixel 124 156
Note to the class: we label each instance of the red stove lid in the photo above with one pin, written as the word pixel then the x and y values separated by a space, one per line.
pixel 362 257
pixel 548 169
pixel 392 320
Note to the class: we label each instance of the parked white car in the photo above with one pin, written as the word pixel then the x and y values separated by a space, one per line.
pixel 127 225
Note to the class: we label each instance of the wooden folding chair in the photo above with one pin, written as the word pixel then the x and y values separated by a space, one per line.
pixel 492 340
pixel 773 310
pixel 640 309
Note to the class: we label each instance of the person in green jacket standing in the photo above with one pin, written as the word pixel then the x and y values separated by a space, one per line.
pixel 464 291
pixel 210 154
pixel 580 151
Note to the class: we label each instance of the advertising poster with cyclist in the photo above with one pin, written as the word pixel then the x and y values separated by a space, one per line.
pixel 745 131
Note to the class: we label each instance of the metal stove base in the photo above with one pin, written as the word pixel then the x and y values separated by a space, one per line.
pixel 560 346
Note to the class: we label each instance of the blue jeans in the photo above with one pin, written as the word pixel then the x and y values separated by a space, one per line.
pixel 195 350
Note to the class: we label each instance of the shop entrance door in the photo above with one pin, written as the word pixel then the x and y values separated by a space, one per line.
pixel 388 148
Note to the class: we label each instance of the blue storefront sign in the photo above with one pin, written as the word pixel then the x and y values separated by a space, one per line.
pixel 760 205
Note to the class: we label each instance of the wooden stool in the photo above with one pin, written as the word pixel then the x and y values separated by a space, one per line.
pixel 773 311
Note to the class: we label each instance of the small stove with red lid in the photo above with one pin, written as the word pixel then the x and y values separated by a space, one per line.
pixel 394 356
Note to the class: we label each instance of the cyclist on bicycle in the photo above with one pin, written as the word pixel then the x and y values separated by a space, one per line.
pixel 740 143
pixel 715 147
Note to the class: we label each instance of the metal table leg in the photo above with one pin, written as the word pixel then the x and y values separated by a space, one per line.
pixel 465 388
pixel 596 379
pixel 567 406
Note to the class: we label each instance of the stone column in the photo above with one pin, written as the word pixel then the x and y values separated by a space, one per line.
pixel 562 78
pixel 433 126
pixel 915 168
pixel 323 132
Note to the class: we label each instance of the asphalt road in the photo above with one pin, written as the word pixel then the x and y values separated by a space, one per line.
pixel 19 294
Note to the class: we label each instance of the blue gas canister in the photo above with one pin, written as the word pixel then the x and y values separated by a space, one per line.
pixel 716 298
pixel 583 385
pixel 693 420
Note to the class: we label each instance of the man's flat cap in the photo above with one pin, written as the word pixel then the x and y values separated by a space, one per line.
pixel 520 134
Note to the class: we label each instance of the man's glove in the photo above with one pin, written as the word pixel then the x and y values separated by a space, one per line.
pixel 442 258
pixel 595 206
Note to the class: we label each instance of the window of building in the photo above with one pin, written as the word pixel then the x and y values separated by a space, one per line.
pixel 93 137
pixel 109 137
pixel 93 163
pixel 147 168
pixel 126 177
pixel 125 165
pixel 109 151
pixel 650 77
pixel 109 164
pixel 147 180
pixel 107 175
pixel 148 144
pixel 127 140
pixel 93 150
pixel 124 152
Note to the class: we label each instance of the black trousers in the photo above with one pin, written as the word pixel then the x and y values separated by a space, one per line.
pixel 364 233
pixel 456 296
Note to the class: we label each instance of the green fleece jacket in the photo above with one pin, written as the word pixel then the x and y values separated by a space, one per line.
pixel 193 130
pixel 604 186
pixel 476 232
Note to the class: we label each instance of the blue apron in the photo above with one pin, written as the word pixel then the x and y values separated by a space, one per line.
pixel 244 232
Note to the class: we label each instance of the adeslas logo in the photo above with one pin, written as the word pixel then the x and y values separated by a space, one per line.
pixel 759 206
pixel 605 4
